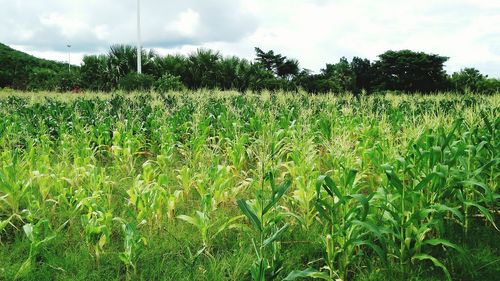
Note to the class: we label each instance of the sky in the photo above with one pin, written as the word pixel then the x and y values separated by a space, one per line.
pixel 313 31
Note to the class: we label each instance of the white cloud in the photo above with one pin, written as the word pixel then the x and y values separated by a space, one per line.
pixel 102 32
pixel 317 32
pixel 68 26
pixel 186 24
pixel 313 31
pixel 92 25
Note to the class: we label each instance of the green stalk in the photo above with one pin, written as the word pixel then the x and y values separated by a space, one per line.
pixel 402 240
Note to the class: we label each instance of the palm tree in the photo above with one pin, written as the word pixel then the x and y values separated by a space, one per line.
pixel 229 72
pixel 203 70
pixel 96 74
pixel 176 65
pixel 122 60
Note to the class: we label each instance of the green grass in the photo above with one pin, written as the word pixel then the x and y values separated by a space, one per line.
pixel 194 186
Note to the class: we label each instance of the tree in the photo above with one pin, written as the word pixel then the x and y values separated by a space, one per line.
pixel 252 76
pixel 229 73
pixel 341 75
pixel 16 69
pixel 403 70
pixel 268 59
pixel 95 73
pixel 176 65
pixel 69 81
pixel 467 79
pixel 314 83
pixel 288 69
pixel 489 85
pixel 122 60
pixel 42 79
pixel 277 64
pixel 6 78
pixel 363 74
pixel 410 71
pixel 203 70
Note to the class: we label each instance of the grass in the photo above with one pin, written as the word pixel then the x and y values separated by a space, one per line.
pixel 215 185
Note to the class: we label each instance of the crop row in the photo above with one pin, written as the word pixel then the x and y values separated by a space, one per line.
pixel 378 181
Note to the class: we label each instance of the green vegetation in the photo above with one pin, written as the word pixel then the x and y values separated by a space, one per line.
pixel 405 71
pixel 214 185
pixel 19 70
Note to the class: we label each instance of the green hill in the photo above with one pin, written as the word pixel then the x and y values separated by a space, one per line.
pixel 20 70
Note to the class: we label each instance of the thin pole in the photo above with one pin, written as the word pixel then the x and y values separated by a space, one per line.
pixel 139 49
pixel 69 57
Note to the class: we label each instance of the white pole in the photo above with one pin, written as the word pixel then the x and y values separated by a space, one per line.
pixel 69 57
pixel 139 48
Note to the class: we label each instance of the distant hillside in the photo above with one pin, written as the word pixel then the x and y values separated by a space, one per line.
pixel 18 68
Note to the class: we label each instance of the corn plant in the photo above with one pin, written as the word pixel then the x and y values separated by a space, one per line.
pixel 303 169
pixel 411 222
pixel 133 245
pixel 379 186
pixel 344 212
pixel 11 187
pixel 149 198
pixel 97 228
pixel 209 224
pixel 38 235
pixel 6 222
pixel 268 229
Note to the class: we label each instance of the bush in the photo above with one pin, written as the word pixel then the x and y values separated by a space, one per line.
pixel 489 86
pixel 42 79
pixel 69 81
pixel 6 76
pixel 169 82
pixel 136 82
pixel 274 84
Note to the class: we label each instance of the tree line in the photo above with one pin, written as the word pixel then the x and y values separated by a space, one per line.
pixel 403 70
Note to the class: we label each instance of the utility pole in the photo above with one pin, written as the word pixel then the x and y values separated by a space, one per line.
pixel 69 58
pixel 139 48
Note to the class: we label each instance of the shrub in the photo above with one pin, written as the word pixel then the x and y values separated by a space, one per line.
pixel 169 82
pixel 489 86
pixel 42 79
pixel 68 81
pixel 136 82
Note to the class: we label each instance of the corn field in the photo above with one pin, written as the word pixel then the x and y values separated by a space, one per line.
pixel 213 185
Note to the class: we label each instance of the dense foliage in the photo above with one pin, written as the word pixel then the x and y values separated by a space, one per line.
pixel 403 70
pixel 21 71
pixel 225 186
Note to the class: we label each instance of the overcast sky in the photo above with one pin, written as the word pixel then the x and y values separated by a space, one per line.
pixel 313 31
